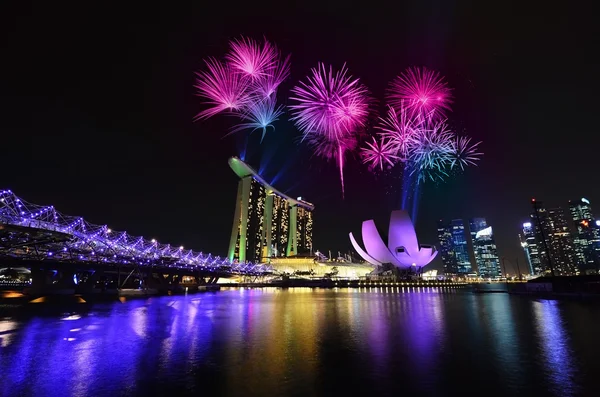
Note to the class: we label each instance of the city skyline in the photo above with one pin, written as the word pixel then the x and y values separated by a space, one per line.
pixel 114 130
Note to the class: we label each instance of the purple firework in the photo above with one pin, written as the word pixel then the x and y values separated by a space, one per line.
pixel 266 85
pixel 399 130
pixel 331 107
pixel 223 89
pixel 328 103
pixel 380 153
pixel 252 59
pixel 422 91
pixel 464 153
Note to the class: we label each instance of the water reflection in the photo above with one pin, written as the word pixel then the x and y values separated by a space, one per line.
pixel 557 356
pixel 370 341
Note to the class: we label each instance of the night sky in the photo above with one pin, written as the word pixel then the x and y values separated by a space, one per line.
pixel 97 102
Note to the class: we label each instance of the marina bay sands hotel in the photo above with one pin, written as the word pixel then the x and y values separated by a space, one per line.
pixel 267 223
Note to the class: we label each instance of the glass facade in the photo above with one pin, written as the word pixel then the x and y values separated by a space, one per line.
pixel 554 241
pixel 586 237
pixel 530 246
pixel 484 249
pixel 453 248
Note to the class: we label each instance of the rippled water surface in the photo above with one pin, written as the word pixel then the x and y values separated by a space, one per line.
pixel 305 342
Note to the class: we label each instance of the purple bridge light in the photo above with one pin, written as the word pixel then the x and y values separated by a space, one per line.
pixel 34 232
pixel 403 249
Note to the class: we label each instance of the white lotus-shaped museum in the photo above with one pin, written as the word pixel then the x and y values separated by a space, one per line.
pixel 403 249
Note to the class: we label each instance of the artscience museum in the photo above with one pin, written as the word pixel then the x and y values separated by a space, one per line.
pixel 402 249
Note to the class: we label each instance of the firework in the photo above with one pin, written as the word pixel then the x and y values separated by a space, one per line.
pixel 431 152
pixel 464 153
pixel 380 153
pixel 422 91
pixel 335 149
pixel 252 59
pixel 399 130
pixel 331 108
pixel 223 89
pixel 266 85
pixel 260 115
pixel 332 104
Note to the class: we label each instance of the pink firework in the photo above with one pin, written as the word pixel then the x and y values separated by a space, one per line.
pixel 266 85
pixel 399 129
pixel 379 153
pixel 422 91
pixel 252 59
pixel 333 104
pixel 331 107
pixel 223 89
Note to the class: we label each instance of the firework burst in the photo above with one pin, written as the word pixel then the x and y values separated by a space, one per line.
pixel 223 89
pixel 399 130
pixel 378 154
pixel 431 152
pixel 252 59
pixel 330 109
pixel 464 153
pixel 422 91
pixel 260 115
pixel 328 103
pixel 266 85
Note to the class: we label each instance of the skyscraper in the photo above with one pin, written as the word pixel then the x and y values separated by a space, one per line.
pixel 453 247
pixel 554 240
pixel 530 246
pixel 484 248
pixel 586 238
pixel 267 222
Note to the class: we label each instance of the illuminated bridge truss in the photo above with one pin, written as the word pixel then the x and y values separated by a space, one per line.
pixel 31 232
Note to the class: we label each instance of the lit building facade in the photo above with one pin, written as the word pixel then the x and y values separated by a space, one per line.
pixel 484 249
pixel 586 239
pixel 554 241
pixel 267 223
pixel 530 246
pixel 454 248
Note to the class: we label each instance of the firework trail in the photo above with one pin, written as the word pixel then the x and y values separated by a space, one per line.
pixel 334 150
pixel 420 91
pixel 330 109
pixel 222 88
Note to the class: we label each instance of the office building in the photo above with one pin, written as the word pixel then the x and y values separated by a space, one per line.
pixel 454 248
pixel 484 249
pixel 586 236
pixel 554 240
pixel 267 223
pixel 530 246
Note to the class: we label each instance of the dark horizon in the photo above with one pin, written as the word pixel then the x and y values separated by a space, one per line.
pixel 97 109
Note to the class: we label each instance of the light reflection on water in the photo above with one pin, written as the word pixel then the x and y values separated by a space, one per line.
pixel 305 342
